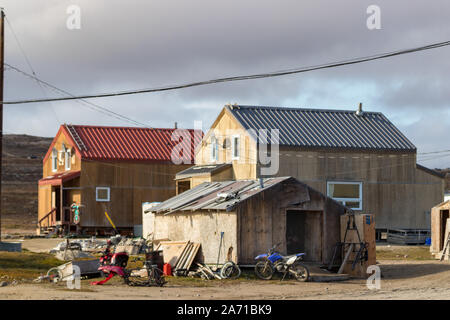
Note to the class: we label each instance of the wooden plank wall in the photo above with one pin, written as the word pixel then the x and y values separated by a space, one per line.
pixel 131 184
pixel 44 201
pixel 262 219
pixel 398 194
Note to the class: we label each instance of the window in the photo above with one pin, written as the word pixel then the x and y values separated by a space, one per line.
pixel 347 193
pixel 235 147
pixel 54 160
pixel 214 149
pixel 102 194
pixel 67 159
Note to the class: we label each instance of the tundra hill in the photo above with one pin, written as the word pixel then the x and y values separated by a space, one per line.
pixel 21 170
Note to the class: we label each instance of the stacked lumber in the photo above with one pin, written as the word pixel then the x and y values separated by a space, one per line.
pixel 187 257
pixel 179 254
pixel 171 250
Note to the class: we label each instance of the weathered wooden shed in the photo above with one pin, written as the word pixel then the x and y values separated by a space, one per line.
pixel 253 215
pixel 440 227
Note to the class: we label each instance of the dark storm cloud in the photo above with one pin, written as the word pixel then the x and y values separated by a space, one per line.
pixel 140 44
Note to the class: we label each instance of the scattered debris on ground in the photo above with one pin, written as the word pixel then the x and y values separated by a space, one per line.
pixel 69 255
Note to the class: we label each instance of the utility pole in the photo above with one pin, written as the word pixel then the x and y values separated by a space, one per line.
pixel 2 60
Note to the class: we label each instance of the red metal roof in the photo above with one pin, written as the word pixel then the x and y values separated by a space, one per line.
pixel 58 178
pixel 129 143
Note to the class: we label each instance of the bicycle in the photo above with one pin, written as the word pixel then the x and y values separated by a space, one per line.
pixel 148 275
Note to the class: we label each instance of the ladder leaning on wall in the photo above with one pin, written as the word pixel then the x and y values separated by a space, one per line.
pixel 445 251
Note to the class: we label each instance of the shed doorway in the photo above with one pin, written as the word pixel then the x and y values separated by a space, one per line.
pixel 444 215
pixel 304 234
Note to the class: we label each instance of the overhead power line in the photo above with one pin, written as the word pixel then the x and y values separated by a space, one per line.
pixel 89 104
pixel 243 77
pixel 433 152
pixel 24 54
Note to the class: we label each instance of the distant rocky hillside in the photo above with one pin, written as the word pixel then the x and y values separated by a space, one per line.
pixel 447 177
pixel 22 168
pixel 22 158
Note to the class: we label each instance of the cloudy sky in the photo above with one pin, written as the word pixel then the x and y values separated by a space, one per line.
pixel 136 44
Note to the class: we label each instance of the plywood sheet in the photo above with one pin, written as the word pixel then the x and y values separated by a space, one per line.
pixel 172 250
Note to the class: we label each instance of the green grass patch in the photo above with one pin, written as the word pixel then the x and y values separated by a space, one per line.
pixel 404 253
pixel 26 265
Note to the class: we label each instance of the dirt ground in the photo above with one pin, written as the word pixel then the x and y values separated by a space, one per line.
pixel 400 280
pixel 38 244
pixel 407 272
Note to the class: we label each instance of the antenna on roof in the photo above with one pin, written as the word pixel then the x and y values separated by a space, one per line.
pixel 360 112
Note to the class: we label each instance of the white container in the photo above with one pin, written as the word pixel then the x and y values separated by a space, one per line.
pixel 148 219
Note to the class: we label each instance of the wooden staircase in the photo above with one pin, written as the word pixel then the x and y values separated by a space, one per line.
pixel 50 226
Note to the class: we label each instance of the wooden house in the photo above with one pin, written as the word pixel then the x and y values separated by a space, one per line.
pixel 108 169
pixel 252 216
pixel 358 158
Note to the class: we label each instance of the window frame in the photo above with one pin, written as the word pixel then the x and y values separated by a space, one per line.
pixel 345 200
pixel 68 159
pixel 214 156
pixel 54 159
pixel 233 147
pixel 103 188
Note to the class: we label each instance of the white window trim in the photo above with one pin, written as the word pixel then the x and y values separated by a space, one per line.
pixel 102 188
pixel 54 157
pixel 214 149
pixel 233 157
pixel 67 159
pixel 344 200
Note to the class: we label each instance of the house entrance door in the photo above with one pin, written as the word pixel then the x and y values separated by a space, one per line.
pixel 56 201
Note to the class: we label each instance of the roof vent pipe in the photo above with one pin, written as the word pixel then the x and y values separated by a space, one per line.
pixel 359 112
pixel 176 125
pixel 261 183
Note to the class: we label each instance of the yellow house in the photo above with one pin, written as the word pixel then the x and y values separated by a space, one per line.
pixel 356 157
pixel 107 169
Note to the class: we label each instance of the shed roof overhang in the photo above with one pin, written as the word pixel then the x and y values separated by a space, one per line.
pixel 202 170
pixel 59 178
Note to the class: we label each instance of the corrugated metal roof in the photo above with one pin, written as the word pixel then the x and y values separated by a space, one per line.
pixel 324 128
pixel 129 143
pixel 201 169
pixel 222 195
